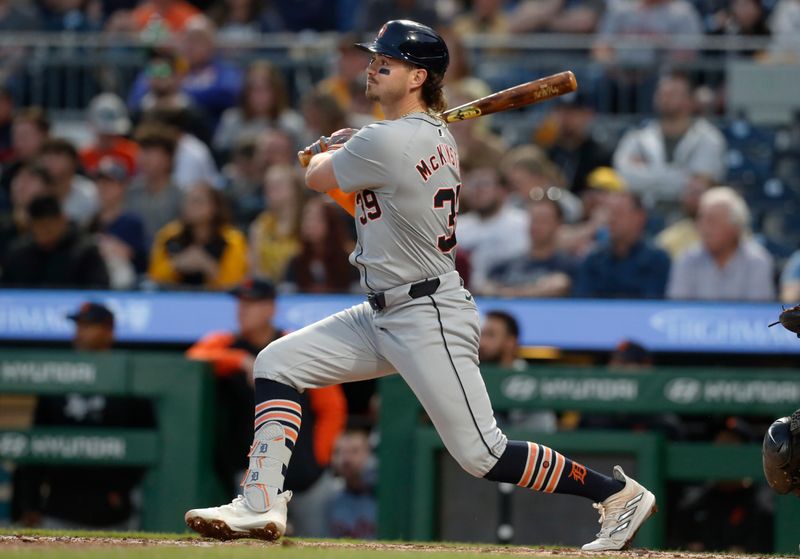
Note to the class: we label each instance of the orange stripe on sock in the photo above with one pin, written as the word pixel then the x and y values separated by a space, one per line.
pixel 282 403
pixel 559 468
pixel 273 415
pixel 533 451
pixel 546 457
pixel 290 433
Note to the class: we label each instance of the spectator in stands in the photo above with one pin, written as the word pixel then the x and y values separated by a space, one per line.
pixel 682 234
pixel 193 159
pixel 16 17
pixel 321 265
pixel 626 265
pixel 546 271
pixel 108 119
pixel 499 347
pixel 347 83
pixel 378 12
pixel 492 231
pixel 69 497
pixel 658 160
pixel 275 233
pixel 29 130
pixel 157 92
pixel 152 194
pixel 526 168
pixel 201 249
pixel 54 253
pixel 740 17
pixel 322 115
pixel 484 16
pixel 241 183
pixel 727 263
pixel 6 122
pixel 578 238
pixel 353 512
pixel 478 146
pixel 68 16
pixel 274 147
pixel 232 355
pixel 574 150
pixel 790 280
pixel 556 16
pixel 120 233
pixel 784 22
pixel 212 83
pixel 31 181
pixel 237 20
pixel 264 104
pixel 78 194
pixel 159 18
pixel 630 66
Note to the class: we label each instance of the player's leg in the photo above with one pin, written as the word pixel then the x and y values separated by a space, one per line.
pixel 440 365
pixel 337 349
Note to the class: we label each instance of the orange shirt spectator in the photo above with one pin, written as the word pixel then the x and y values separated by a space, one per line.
pixel 173 14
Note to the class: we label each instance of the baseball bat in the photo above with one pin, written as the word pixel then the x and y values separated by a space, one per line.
pixel 528 93
pixel 520 95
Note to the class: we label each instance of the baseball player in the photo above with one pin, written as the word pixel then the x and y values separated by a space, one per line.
pixel 418 319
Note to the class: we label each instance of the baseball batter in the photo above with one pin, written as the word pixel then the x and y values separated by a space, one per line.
pixel 418 319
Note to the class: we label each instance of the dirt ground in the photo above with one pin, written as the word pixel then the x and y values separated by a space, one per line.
pixel 27 541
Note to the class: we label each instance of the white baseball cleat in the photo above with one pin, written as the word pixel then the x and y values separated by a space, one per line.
pixel 622 514
pixel 238 520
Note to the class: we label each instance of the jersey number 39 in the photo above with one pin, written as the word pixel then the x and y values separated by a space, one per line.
pixel 371 210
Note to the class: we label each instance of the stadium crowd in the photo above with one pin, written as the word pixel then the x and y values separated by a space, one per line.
pixel 188 178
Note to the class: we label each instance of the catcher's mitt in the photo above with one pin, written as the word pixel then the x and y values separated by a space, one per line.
pixel 790 319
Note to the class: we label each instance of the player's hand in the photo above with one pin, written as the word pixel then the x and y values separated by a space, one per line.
pixel 325 143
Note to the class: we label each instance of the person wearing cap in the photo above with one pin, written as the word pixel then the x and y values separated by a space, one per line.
pixel 120 233
pixel 232 355
pixel 54 253
pixel 83 497
pixel 108 119
pixel 575 150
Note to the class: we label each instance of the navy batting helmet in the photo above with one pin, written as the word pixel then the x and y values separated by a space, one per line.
pixel 413 42
pixel 781 454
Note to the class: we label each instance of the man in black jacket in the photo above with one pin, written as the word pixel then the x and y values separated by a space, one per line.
pixel 58 496
pixel 54 253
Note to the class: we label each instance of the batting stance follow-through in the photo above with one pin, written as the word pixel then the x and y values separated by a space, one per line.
pixel 418 319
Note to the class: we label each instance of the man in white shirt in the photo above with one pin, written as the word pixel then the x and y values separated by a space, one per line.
pixel 492 231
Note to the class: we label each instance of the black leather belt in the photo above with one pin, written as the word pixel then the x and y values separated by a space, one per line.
pixel 428 287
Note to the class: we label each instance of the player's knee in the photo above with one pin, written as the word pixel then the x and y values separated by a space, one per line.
pixel 474 462
pixel 271 361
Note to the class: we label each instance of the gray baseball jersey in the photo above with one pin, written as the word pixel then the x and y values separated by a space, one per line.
pixel 406 174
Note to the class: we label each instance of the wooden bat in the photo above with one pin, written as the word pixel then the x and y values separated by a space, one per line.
pixel 521 95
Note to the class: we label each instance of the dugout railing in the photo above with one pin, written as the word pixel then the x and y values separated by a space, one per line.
pixel 409 469
pixel 177 453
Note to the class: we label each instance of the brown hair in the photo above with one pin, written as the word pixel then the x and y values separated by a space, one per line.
pixel 219 219
pixel 338 272
pixel 60 146
pixel 433 94
pixel 36 116
pixel 157 136
pixel 275 82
